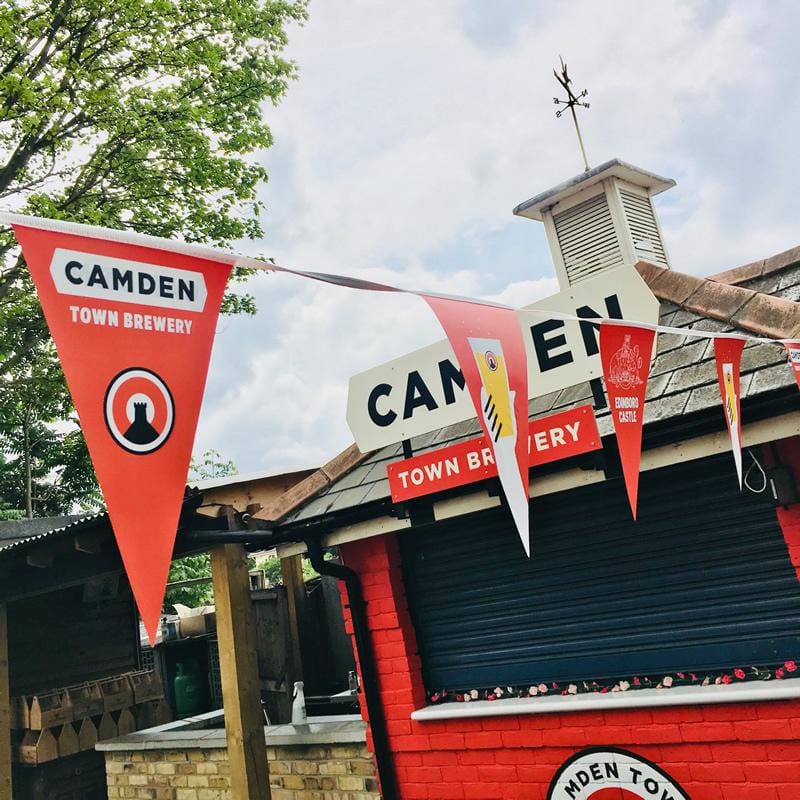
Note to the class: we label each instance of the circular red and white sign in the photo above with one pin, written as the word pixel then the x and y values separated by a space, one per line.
pixel 139 410
pixel 603 773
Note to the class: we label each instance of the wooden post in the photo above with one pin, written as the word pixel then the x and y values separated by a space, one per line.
pixel 5 710
pixel 241 693
pixel 292 575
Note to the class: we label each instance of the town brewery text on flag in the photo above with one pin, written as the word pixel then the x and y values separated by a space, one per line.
pixel 133 325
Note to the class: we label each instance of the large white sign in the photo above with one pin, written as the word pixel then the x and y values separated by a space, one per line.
pixel 424 390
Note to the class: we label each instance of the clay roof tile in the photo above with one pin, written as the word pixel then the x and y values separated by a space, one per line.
pixel 754 312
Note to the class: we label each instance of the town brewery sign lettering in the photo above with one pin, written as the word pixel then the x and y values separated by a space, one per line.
pixel 424 390
pixel 551 438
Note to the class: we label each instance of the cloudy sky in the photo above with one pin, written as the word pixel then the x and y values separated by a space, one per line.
pixel 413 130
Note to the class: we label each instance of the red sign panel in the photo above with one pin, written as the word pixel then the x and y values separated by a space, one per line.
pixel 552 438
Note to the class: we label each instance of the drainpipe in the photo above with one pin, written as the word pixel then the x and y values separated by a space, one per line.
pixel 366 660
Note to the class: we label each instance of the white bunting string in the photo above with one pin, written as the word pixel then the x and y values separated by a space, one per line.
pixel 693 332
pixel 357 283
pixel 248 262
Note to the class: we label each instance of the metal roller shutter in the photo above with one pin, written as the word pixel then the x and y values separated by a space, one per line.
pixel 702 581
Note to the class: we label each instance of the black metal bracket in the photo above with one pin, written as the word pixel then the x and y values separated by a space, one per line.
pixel 598 395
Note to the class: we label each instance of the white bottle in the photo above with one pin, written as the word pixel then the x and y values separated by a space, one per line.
pixel 299 716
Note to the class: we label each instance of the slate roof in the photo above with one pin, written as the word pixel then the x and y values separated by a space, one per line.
pixel 16 532
pixel 682 378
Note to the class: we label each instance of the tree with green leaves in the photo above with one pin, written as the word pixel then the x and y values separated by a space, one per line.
pixel 145 115
pixel 45 468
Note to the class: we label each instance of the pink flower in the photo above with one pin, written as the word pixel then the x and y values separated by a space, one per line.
pixel 779 673
pixel 491 696
pixel 434 698
pixel 542 688
pixel 604 690
pixel 563 692
pixel 555 685
pixel 726 679
pixel 693 676
pixel 739 673
pixel 460 698
pixel 533 691
pixel 791 666
pixel 636 681
pixel 681 675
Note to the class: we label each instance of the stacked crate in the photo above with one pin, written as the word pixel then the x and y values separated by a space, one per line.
pixel 64 721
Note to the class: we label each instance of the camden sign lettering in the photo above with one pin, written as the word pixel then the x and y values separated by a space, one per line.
pixel 123 281
pixel 603 773
pixel 425 390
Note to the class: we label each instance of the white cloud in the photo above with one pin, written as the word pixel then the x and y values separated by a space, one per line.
pixel 413 130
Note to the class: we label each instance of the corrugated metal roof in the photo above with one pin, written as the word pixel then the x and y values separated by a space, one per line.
pixel 232 480
pixel 682 380
pixel 14 533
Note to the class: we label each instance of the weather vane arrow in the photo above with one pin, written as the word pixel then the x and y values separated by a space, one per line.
pixel 570 103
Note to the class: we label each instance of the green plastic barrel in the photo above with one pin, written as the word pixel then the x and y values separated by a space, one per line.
pixel 189 688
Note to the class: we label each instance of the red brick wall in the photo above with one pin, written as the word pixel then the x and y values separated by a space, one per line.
pixel 789 519
pixel 730 752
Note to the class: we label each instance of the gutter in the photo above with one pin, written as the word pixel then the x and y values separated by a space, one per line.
pixel 361 633
pixel 366 661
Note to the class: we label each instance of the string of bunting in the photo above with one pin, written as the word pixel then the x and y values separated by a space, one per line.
pixel 133 319
pixel 625 348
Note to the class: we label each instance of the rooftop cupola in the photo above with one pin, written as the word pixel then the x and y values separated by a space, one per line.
pixel 601 219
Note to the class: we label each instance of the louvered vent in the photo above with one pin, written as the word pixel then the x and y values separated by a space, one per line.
pixel 587 239
pixel 646 237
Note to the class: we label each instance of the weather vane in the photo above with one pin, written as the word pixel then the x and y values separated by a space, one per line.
pixel 570 103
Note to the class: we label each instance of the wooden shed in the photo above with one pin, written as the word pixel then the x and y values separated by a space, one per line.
pixel 69 644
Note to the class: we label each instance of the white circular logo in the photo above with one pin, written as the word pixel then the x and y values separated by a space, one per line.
pixel 609 773
pixel 139 410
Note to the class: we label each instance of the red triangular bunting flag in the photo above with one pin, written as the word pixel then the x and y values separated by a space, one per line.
pixel 728 355
pixel 793 351
pixel 487 341
pixel 133 326
pixel 625 353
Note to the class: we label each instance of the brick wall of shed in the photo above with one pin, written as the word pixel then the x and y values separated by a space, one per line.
pixel 314 772
pixel 741 751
